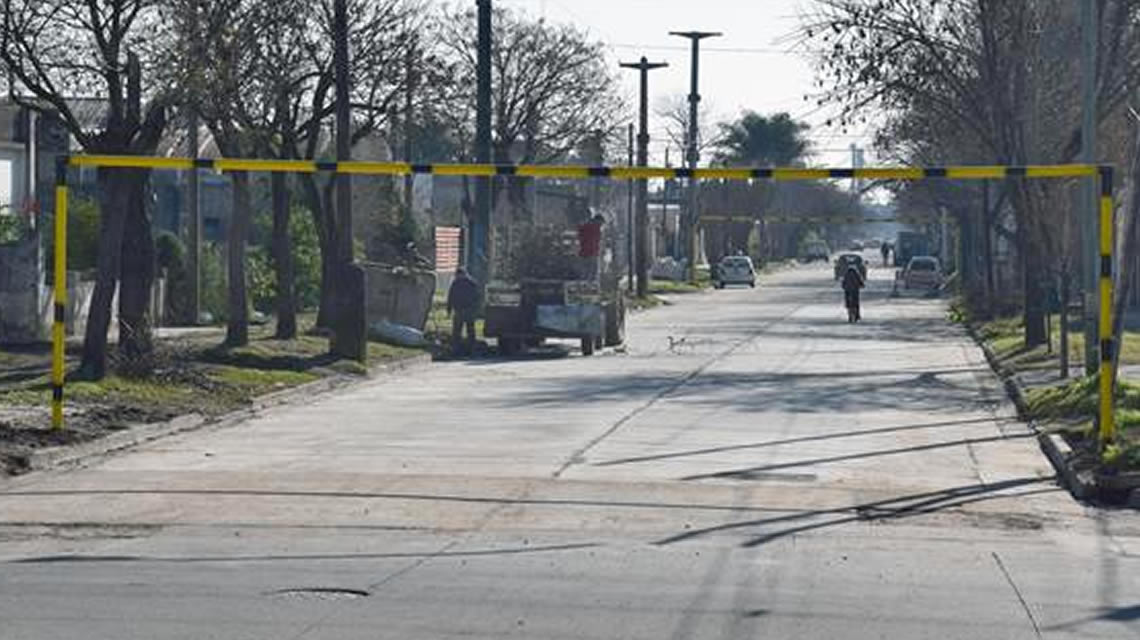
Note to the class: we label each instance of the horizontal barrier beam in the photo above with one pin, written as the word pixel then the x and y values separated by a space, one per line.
pixel 799 219
pixel 582 172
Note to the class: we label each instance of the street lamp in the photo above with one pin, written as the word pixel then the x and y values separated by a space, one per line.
pixel 692 154
pixel 644 66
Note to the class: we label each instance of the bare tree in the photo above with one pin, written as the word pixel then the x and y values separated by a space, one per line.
pixel 271 95
pixel 58 53
pixel 381 33
pixel 983 67
pixel 674 110
pixel 552 87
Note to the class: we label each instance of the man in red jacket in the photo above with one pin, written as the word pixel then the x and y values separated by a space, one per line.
pixel 590 246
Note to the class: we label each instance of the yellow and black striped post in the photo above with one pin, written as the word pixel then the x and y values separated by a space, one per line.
pixel 58 335
pixel 1106 417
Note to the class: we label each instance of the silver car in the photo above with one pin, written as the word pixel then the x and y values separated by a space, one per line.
pixel 735 270
pixel 923 272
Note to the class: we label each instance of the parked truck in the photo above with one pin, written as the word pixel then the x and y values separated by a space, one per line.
pixel 551 291
pixel 909 244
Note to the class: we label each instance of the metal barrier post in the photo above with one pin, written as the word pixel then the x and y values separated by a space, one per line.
pixel 58 335
pixel 1106 418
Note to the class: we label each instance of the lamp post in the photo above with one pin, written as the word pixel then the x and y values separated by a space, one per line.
pixel 644 66
pixel 692 154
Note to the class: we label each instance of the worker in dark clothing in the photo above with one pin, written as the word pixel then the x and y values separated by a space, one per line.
pixel 886 251
pixel 852 283
pixel 462 305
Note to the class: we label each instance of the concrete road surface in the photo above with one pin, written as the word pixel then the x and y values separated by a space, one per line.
pixel 750 467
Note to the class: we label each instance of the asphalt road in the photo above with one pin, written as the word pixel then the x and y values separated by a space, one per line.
pixel 750 466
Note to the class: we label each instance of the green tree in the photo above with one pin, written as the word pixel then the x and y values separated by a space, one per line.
pixel 758 140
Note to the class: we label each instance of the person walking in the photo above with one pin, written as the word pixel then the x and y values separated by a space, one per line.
pixel 852 283
pixel 462 306
pixel 886 251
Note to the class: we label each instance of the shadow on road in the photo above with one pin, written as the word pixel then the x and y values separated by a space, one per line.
pixel 1110 614
pixel 749 471
pixel 786 441
pixel 74 558
pixel 929 391
pixel 891 508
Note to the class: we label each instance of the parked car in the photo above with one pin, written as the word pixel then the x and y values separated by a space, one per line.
pixel 734 270
pixel 922 272
pixel 846 260
pixel 856 245
pixel 815 251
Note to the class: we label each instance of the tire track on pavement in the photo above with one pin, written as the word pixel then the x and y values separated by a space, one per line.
pixel 578 455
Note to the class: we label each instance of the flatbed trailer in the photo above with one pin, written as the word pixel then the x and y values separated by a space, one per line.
pixel 524 314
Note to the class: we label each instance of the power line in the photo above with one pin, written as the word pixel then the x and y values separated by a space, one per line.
pixel 755 50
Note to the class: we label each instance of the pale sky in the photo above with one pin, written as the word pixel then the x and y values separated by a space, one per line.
pixel 750 67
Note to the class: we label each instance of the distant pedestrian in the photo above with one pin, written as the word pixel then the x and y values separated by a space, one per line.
pixel 886 251
pixel 852 283
pixel 462 306
pixel 590 246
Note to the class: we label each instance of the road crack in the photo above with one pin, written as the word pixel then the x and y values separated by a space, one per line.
pixel 1017 592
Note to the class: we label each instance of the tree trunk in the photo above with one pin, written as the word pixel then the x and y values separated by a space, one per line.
pixel 283 260
pixel 1064 300
pixel 988 218
pixel 237 305
pixel 320 205
pixel 1034 269
pixel 1122 268
pixel 113 209
pixel 1034 315
pixel 137 277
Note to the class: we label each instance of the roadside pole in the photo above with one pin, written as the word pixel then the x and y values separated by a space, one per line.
pixel 1087 211
pixel 194 205
pixel 644 67
pixel 692 153
pixel 629 228
pixel 478 249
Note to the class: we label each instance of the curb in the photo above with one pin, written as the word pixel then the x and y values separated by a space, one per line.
pixel 135 435
pixel 1009 380
pixel 1081 485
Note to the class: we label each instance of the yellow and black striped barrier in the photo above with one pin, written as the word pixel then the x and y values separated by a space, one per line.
pixel 821 219
pixel 993 172
pixel 580 172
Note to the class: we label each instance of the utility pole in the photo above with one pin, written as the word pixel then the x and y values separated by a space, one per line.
pixel 350 327
pixel 629 228
pixel 1088 205
pixel 343 133
pixel 644 66
pixel 410 78
pixel 857 162
pixel 192 185
pixel 478 253
pixel 692 153
pixel 194 205
pixel 665 204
